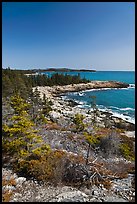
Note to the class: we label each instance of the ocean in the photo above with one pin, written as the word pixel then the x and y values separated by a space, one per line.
pixel 119 102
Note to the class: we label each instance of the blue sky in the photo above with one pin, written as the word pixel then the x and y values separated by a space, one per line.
pixel 98 35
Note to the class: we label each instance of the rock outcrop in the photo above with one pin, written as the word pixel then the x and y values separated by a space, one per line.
pixel 55 90
pixel 31 191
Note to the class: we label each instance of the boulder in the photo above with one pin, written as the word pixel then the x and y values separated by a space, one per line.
pixel 20 180
pixel 114 199
pixel 54 115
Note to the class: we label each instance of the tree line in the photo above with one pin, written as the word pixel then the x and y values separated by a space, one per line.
pixel 16 80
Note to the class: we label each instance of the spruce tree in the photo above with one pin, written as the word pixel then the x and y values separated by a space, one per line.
pixel 20 137
pixel 78 121
pixel 46 106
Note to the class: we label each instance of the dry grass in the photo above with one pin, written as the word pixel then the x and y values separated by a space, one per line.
pixel 120 169
pixel 10 182
pixel 7 194
pixel 107 183
pixel 52 126
pixel 71 136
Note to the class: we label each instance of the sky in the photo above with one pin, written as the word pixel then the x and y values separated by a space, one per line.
pixel 90 35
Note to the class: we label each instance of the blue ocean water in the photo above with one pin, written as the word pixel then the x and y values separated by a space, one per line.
pixel 120 102
pixel 123 76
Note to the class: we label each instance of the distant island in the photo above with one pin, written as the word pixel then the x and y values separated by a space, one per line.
pixel 53 69
pixel 68 70
pixel 36 71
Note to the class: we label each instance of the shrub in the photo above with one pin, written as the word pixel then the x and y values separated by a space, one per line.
pixel 52 126
pixel 43 149
pixel 109 145
pixel 51 167
pixel 78 120
pixel 107 183
pixel 40 118
pixel 120 168
pixel 127 147
pixel 48 167
pixel 126 151
pixel 7 194
pixel 92 139
pixel 10 182
pixel 74 172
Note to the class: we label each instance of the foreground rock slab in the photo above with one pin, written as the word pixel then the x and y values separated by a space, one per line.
pixel 32 191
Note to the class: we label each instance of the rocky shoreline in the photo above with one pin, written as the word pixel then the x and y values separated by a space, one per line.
pixel 55 95
pixel 56 90
pixel 59 135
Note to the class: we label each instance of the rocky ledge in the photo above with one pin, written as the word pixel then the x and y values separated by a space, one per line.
pixel 55 90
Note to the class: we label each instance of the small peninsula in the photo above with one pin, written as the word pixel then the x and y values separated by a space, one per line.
pixel 83 86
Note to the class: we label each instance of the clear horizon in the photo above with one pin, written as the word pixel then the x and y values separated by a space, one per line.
pixel 70 68
pixel 79 35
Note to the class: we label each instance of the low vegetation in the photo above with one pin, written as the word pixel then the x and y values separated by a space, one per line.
pixel 7 194
pixel 127 151
pixel 78 121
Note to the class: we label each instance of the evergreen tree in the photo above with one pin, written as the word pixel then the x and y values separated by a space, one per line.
pixel 78 120
pixel 90 137
pixel 36 102
pixel 46 105
pixel 20 137
pixel 92 141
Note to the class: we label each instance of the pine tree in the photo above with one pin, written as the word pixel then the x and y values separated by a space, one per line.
pixel 36 102
pixel 92 141
pixel 78 121
pixel 90 137
pixel 20 137
pixel 46 105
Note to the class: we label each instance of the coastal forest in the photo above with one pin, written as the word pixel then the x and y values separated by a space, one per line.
pixel 16 80
pixel 54 142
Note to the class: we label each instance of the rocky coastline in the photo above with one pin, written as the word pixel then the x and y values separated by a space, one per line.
pixel 61 136
pixel 56 90
pixel 55 95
